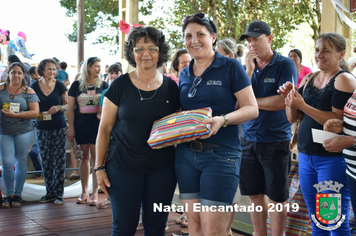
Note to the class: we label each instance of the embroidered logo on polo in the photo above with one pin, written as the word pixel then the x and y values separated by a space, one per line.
pixel 328 206
pixel 214 82
pixel 269 80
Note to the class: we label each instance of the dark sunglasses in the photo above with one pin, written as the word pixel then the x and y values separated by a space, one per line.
pixel 200 15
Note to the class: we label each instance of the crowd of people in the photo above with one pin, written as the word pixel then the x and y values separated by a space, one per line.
pixel 246 151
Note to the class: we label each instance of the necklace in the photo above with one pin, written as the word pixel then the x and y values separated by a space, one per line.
pixel 12 96
pixel 144 99
pixel 148 84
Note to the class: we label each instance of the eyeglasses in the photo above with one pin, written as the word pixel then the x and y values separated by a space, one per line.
pixel 193 89
pixel 141 50
pixel 184 62
pixel 200 15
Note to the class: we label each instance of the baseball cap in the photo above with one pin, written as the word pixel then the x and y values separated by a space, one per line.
pixel 255 29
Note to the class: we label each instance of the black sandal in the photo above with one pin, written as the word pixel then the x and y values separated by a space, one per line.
pixel 17 201
pixel 184 223
pixel 7 202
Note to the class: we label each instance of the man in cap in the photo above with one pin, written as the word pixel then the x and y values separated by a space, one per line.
pixel 265 141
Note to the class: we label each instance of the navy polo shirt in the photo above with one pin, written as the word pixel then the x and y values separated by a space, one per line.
pixel 223 78
pixel 270 126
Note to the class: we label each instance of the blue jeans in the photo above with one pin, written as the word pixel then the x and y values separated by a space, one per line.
pixel 352 189
pixel 34 153
pixel 128 192
pixel 211 175
pixel 14 149
pixel 315 169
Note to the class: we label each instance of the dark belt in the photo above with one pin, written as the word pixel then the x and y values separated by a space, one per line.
pixel 197 146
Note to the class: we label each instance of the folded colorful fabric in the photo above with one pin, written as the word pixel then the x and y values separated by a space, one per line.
pixel 179 127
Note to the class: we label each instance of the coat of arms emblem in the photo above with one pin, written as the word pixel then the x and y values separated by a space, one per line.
pixel 328 206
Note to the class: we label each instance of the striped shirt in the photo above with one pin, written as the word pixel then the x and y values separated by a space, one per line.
pixel 350 129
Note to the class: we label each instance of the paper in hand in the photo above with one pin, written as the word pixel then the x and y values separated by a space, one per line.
pixel 319 136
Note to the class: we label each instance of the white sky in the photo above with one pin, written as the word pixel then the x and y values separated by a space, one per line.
pixel 44 22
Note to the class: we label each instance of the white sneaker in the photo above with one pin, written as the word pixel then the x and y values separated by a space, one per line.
pixel 58 201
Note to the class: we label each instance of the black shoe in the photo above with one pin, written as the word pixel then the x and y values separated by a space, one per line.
pixel 47 198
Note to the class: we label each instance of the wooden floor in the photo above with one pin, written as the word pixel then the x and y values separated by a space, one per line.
pixel 38 219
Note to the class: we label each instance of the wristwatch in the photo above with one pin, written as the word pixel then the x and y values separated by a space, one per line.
pixel 99 168
pixel 226 120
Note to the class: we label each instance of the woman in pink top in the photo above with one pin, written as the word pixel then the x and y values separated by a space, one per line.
pixel 296 56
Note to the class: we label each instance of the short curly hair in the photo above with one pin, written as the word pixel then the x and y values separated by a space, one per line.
pixel 42 65
pixel 175 60
pixel 148 33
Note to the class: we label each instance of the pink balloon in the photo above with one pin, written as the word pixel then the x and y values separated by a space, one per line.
pixel 4 39
pixel 22 35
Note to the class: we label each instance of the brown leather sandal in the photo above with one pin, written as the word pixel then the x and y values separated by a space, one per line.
pixel 7 202
pixel 17 201
pixel 104 204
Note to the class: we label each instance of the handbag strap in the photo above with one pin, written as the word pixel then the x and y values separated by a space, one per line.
pixel 311 76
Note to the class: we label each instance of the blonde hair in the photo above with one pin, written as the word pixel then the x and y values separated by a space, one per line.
pixel 240 50
pixel 84 75
pixel 229 45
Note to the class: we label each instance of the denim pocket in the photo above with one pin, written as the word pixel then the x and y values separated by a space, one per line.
pixel 228 154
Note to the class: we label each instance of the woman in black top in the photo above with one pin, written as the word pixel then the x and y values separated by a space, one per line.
pixel 83 104
pixel 135 174
pixel 320 171
pixel 51 127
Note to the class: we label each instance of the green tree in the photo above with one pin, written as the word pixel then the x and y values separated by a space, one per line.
pixel 230 16
pixel 99 16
